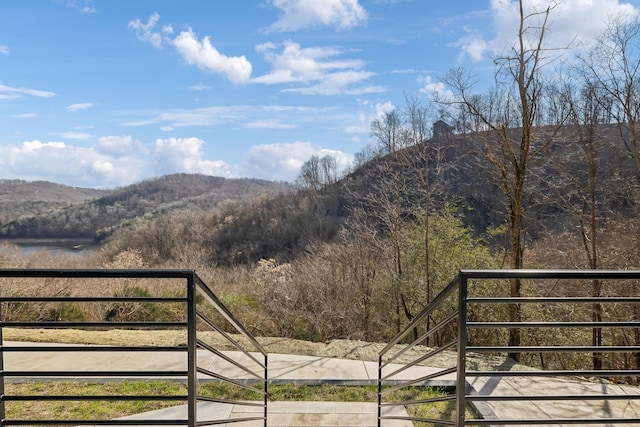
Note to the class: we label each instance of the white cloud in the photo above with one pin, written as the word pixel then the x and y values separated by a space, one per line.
pixel 341 83
pixel 199 88
pixel 103 166
pixel 121 160
pixel 8 92
pixel 210 116
pixel 84 6
pixel 73 135
pixel 283 161
pixel 72 165
pixel 572 21
pixel 206 57
pixel 4 50
pixel 303 14
pixel 145 32
pixel 200 53
pixel 25 115
pixel 77 107
pixel 234 114
pixel 436 90
pixel 269 124
pixel 381 108
pixel 371 111
pixel 37 145
pixel 185 155
pixel 316 67
pixel 115 145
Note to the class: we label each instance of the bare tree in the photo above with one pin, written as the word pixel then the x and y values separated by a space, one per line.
pixel 318 172
pixel 389 132
pixel 613 66
pixel 510 113
pixel 582 187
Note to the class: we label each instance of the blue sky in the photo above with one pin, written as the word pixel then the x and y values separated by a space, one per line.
pixel 104 93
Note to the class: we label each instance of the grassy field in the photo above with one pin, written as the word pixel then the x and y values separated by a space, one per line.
pixel 102 409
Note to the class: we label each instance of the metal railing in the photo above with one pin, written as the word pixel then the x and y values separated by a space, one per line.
pixel 147 300
pixel 564 352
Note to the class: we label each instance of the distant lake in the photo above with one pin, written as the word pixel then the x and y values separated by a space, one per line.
pixel 53 245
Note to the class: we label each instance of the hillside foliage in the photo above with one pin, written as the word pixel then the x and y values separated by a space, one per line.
pixel 97 217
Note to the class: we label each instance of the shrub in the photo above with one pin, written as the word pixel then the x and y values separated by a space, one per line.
pixel 67 311
pixel 136 311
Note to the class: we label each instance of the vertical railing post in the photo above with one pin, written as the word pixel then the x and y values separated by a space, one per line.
pixel 379 390
pixel 192 385
pixel 461 382
pixel 266 389
pixel 2 410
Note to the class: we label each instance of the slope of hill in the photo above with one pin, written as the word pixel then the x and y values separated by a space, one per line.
pixel 85 218
pixel 16 190
pixel 18 197
pixel 455 168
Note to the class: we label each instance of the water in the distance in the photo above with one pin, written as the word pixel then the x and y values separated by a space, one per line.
pixel 53 245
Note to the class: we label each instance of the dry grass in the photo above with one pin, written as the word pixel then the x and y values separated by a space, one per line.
pixel 342 349
pixel 154 337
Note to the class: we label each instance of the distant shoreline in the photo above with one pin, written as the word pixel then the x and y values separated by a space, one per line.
pixel 70 244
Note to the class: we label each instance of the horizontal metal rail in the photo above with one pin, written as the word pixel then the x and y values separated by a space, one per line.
pixel 555 421
pixel 479 330
pixel 93 299
pixel 554 349
pixel 81 374
pixel 197 299
pixel 90 325
pixel 575 325
pixel 82 422
pixel 552 397
pixel 554 300
pixel 557 373
pixel 93 349
pixel 96 397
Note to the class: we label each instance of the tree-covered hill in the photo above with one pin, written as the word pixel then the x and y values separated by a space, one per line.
pixel 106 210
pixel 19 197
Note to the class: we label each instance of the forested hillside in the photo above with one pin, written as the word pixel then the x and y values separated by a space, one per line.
pixel 450 168
pixel 99 215
pixel 18 197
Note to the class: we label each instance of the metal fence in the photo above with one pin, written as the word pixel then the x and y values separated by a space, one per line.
pixel 566 351
pixel 98 301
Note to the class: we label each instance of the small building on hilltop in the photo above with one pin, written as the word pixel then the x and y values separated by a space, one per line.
pixel 441 129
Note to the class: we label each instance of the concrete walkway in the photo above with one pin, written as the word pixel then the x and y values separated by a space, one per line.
pixel 282 369
pixel 569 408
pixel 317 370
